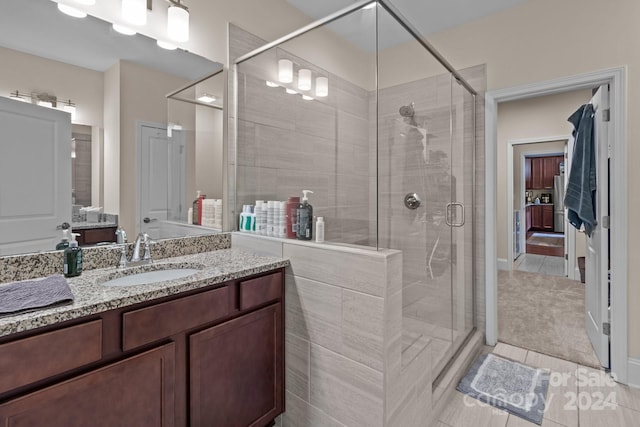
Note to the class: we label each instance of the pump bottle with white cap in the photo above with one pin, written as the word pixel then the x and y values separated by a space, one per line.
pixel 305 218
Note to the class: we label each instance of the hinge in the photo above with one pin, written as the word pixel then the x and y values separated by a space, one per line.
pixel 605 222
pixel 606 115
pixel 606 328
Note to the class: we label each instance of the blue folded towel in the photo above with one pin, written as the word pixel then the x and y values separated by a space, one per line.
pixel 30 294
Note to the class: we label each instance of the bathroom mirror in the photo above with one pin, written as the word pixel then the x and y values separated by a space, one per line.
pixel 117 83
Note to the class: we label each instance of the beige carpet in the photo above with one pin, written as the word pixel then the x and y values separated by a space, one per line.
pixel 544 314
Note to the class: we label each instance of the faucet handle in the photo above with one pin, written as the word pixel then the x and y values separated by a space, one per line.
pixel 123 255
pixel 147 248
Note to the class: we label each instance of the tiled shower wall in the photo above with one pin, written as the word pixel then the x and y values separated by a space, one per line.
pixel 288 144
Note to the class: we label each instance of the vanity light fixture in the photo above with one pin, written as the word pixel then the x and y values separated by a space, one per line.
pixel 205 97
pixel 304 79
pixel 271 84
pixel 134 11
pixel 19 96
pixel 124 30
pixel 166 45
pixel 307 98
pixel 178 21
pixel 322 87
pixel 291 91
pixel 71 11
pixel 70 108
pixel 47 104
pixel 86 2
pixel 285 71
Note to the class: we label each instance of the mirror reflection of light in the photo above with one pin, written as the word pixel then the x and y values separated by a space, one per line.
pixel 123 30
pixel 71 11
pixel 166 45
pixel 86 2
pixel 205 97
pixel 291 91
pixel 370 6
pixel 271 84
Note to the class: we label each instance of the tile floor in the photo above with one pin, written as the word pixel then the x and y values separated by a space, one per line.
pixel 578 396
pixel 532 263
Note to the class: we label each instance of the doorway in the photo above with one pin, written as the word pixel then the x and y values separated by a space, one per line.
pixel 615 78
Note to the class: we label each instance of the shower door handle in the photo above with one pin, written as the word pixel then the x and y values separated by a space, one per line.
pixel 448 214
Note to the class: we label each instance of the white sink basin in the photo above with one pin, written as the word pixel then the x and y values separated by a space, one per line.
pixel 148 277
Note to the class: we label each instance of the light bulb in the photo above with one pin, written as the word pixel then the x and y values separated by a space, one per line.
pixel 178 24
pixel 304 79
pixel 71 109
pixel 71 11
pixel 285 71
pixel 291 91
pixel 307 98
pixel 166 45
pixel 271 84
pixel 86 2
pixel 205 97
pixel 322 87
pixel 123 30
pixel 134 11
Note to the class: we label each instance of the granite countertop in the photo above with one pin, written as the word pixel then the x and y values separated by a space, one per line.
pixel 91 297
pixel 91 225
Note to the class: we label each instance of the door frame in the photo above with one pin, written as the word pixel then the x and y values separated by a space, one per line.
pixel 616 78
pixel 511 191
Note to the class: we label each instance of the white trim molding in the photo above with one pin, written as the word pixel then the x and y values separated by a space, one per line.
pixel 634 372
pixel 504 264
pixel 616 78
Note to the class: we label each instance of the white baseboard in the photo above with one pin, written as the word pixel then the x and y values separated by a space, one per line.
pixel 633 373
pixel 576 274
pixel 503 264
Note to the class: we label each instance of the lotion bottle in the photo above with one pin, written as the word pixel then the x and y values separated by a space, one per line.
pixel 320 230
pixel 73 258
pixel 305 217
pixel 64 243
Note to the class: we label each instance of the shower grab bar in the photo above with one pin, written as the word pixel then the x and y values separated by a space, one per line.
pixel 448 215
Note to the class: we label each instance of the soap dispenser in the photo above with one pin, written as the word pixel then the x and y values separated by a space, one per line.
pixel 64 243
pixel 304 218
pixel 73 258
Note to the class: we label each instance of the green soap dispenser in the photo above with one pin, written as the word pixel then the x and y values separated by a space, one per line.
pixel 73 258
pixel 64 243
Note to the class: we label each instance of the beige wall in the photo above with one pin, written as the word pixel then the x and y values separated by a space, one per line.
pixel 28 73
pixel 545 39
pixel 536 118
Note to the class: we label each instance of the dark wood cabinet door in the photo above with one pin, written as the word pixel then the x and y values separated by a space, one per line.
pixel 558 160
pixel 236 371
pixel 537 169
pixel 528 215
pixel 548 172
pixel 547 218
pixel 137 391
pixel 527 173
pixel 536 217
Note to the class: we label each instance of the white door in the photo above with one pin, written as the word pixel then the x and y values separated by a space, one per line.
pixel 597 251
pixel 35 176
pixel 161 178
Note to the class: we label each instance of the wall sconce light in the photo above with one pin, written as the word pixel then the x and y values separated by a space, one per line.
pixel 71 11
pixel 178 21
pixel 307 98
pixel 285 71
pixel 134 11
pixel 304 79
pixel 70 108
pixel 322 87
pixel 17 96
pixel 166 45
pixel 86 2
pixel 291 91
pixel 271 84
pixel 205 97
pixel 122 29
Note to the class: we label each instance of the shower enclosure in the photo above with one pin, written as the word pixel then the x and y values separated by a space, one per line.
pixel 361 110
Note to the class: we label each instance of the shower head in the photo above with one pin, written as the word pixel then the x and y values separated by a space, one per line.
pixel 407 110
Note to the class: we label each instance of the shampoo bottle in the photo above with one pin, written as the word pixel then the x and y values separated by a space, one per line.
pixel 64 243
pixel 320 230
pixel 195 218
pixel 73 258
pixel 290 212
pixel 304 217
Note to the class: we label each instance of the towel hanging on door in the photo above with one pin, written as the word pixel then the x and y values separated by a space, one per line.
pixel 580 196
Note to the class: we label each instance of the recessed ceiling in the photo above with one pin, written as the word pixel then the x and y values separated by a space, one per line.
pixel 428 16
pixel 38 28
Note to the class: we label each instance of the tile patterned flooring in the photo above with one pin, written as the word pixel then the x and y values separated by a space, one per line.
pixel 578 396
pixel 541 264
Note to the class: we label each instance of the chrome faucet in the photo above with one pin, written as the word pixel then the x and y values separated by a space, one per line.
pixel 143 238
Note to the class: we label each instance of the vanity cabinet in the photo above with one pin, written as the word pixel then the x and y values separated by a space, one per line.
pixel 540 217
pixel 92 236
pixel 136 391
pixel 207 357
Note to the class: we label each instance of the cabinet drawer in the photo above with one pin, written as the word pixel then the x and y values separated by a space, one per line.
pixel 260 290
pixel 35 358
pixel 159 321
